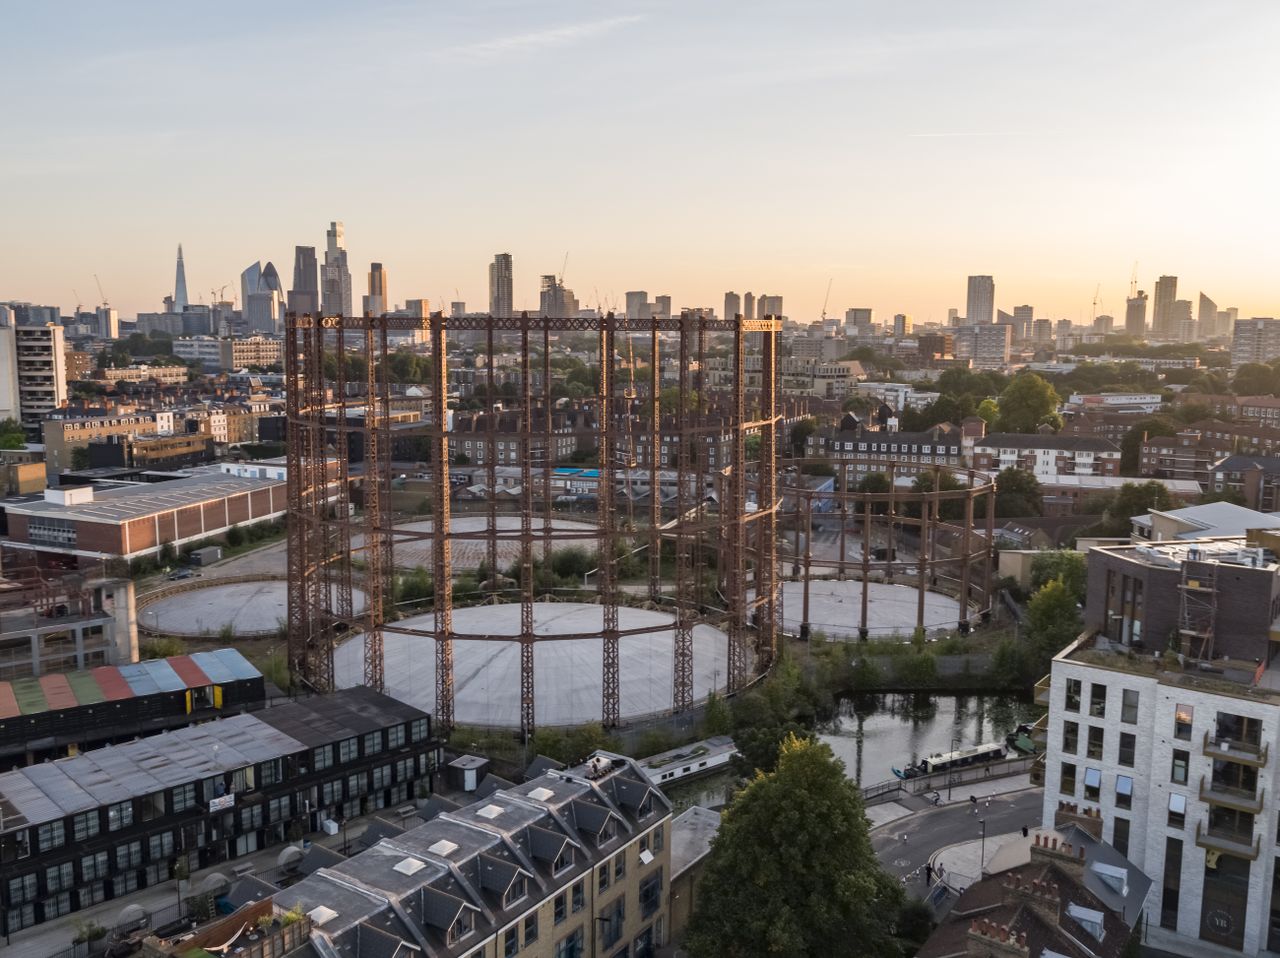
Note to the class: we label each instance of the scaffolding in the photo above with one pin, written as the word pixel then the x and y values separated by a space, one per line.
pixel 1198 612
pixel 705 520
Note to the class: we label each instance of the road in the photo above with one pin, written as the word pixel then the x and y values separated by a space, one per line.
pixel 935 828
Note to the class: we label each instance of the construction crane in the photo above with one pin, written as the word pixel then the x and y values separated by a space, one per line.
pixel 564 266
pixel 1097 290
pixel 217 293
pixel 1133 280
pixel 826 299
pixel 105 301
pixel 79 303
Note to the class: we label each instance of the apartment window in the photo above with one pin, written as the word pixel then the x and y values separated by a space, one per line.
pixel 1177 811
pixel 22 889
pixel 602 879
pixel 611 927
pixel 1092 784
pixel 559 909
pixel 92 894
pixel 1094 748
pixel 659 839
pixel 461 927
pixel 1070 737
pixel 153 806
pixel 1128 745
pixel 373 743
pixel 580 896
pixel 124 884
pixel 651 894
pixel 1183 715
pixel 270 772
pixel 1098 700
pixel 1120 835
pixel 87 825
pixel 530 928
pixel 51 835
pixel 322 758
pixel 278 809
pixel 348 750
pixel 1178 773
pixel 251 818
pixel 184 797
pixel 94 866
pixel 570 946
pixel 619 866
pixel 1067 782
pixel 21 917
pixel 515 893
pixel 395 736
pixel 160 847
pixel 1124 791
pixel 563 860
pixel 511 942
pixel 129 855
pixel 1129 707
pixel 381 777
pixel 418 729
pixel 59 877
pixel 1073 695
pixel 119 816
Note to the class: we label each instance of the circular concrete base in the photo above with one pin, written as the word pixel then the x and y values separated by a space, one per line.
pixel 835 608
pixel 469 553
pixel 567 672
pixel 247 607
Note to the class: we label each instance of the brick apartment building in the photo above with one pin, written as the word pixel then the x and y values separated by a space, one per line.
pixel 1046 454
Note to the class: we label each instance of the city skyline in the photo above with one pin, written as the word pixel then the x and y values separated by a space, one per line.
pixel 912 183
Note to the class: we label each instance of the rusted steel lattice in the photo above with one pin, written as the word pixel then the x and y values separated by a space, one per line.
pixel 706 505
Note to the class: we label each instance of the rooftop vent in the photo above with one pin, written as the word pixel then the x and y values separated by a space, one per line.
pixel 410 866
pixel 443 848
pixel 541 794
pixel 490 811
pixel 320 914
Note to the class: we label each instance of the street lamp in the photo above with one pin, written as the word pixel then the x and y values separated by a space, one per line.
pixel 982 854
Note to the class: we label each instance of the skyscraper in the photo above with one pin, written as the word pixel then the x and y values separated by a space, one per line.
pixel 250 279
pixel 1135 316
pixel 638 304
pixel 1207 316
pixel 732 304
pixel 555 300
pixel 375 304
pixel 1162 307
pixel 1182 323
pixel 1023 317
pixel 981 303
pixel 901 325
pixel 500 286
pixel 108 322
pixel 304 297
pixel 662 307
pixel 335 278
pixel 180 285
pixel 10 408
pixel 769 306
pixel 1255 341
pixel 262 300
pixel 748 305
pixel 1227 320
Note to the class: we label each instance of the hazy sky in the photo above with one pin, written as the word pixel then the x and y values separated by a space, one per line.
pixel 679 147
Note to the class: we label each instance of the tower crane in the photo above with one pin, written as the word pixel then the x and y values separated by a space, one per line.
pixel 1097 290
pixel 826 299
pixel 217 293
pixel 105 301
pixel 564 266
pixel 1133 280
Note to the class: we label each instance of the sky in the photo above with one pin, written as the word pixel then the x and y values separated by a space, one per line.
pixel 685 147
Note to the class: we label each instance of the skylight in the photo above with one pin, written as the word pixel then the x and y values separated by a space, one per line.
pixel 321 913
pixel 541 794
pixel 410 866
pixel 490 811
pixel 443 848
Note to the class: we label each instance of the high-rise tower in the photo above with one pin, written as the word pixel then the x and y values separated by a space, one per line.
pixel 1207 317
pixel 180 285
pixel 981 303
pixel 375 304
pixel 748 305
pixel 1162 307
pixel 732 304
pixel 304 297
pixel 1135 315
pixel 500 290
pixel 335 278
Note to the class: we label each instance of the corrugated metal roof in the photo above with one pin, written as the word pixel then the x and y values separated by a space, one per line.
pixel 112 683
pixel 213 667
pixel 236 663
pixel 29 695
pixel 87 690
pixel 139 680
pixel 189 672
pixel 57 692
pixel 162 673
pixel 8 703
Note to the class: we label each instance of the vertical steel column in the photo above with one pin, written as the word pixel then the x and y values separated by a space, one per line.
pixel 526 536
pixel 655 467
pixel 375 473
pixel 549 452
pixel 337 538
pixel 767 554
pixel 297 524
pixel 922 559
pixel 990 545
pixel 320 639
pixel 736 519
pixel 607 558
pixel 441 556
pixel 863 631
pixel 966 550
pixel 491 466
pixel 682 671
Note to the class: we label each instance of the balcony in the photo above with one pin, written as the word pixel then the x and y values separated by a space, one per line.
pixel 1227 842
pixel 1037 770
pixel 1241 799
pixel 1228 750
pixel 1041 695
pixel 1040 732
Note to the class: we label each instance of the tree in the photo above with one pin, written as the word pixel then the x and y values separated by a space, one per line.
pixel 948 509
pixel 1052 623
pixel 1018 494
pixel 1131 444
pixel 800 432
pixel 1254 379
pixel 989 410
pixel 1064 564
pixel 12 435
pixel 1025 403
pixel 792 870
pixel 80 457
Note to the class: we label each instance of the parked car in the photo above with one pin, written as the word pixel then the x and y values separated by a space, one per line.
pixel 180 574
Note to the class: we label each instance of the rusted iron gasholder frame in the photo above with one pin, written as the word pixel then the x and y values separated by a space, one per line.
pixel 707 513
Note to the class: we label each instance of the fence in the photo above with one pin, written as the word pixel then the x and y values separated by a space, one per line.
pixel 887 791
pixel 158 918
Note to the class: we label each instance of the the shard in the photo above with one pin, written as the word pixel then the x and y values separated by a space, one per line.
pixel 180 301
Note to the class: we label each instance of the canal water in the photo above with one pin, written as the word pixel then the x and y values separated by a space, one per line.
pixel 875 733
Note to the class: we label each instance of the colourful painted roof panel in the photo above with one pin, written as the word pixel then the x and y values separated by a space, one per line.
pixel 162 673
pixel 135 673
pixel 213 667
pixel 112 683
pixel 8 702
pixel 57 692
pixel 86 689
pixel 30 696
pixel 189 672
pixel 236 664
